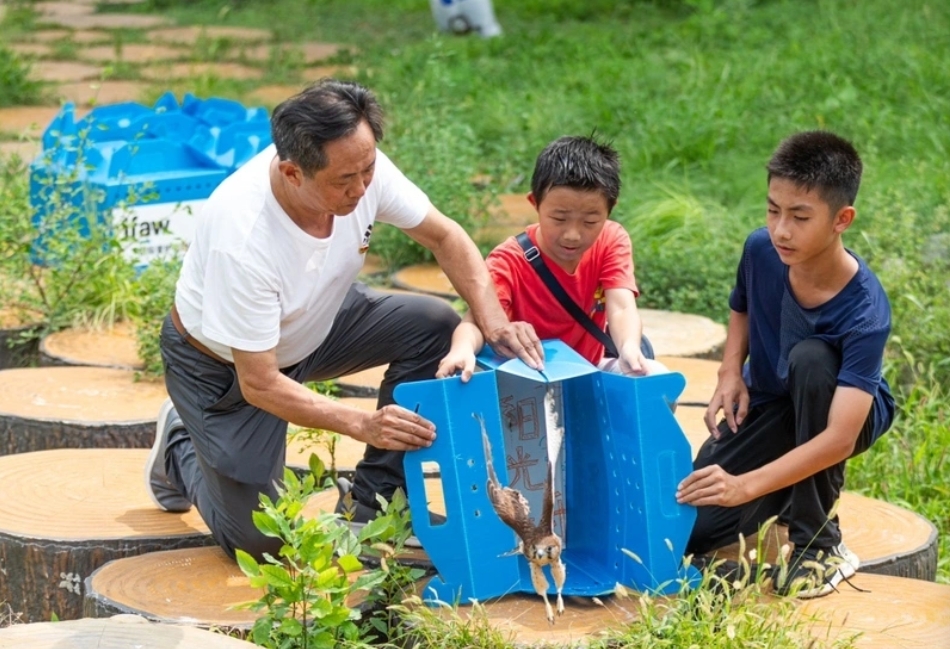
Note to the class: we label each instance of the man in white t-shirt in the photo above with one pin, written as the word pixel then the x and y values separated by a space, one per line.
pixel 268 299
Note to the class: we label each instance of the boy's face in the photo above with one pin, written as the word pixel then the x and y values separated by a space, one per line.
pixel 801 225
pixel 570 220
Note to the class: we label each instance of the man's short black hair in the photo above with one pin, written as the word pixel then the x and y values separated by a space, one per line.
pixel 326 111
pixel 578 163
pixel 821 161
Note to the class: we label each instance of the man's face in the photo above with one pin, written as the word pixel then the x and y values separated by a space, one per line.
pixel 339 186
pixel 570 220
pixel 800 223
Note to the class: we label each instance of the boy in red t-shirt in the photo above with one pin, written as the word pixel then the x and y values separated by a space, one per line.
pixel 575 186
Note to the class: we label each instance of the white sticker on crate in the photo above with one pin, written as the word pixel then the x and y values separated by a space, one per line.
pixel 154 230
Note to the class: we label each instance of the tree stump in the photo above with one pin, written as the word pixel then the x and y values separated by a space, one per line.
pixel 701 378
pixel 690 419
pixel 895 613
pixel 64 513
pixel 425 278
pixel 19 344
pixel 119 632
pixel 115 347
pixel 363 384
pixel 888 539
pixel 508 219
pixel 195 586
pixel 76 407
pixel 683 334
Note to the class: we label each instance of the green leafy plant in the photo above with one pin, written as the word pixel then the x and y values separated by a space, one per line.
pixel 307 585
pixel 312 586
pixel 386 537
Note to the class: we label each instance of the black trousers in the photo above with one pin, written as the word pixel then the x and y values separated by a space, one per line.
pixel 229 452
pixel 769 431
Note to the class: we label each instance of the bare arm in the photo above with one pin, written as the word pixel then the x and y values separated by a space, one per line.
pixel 263 386
pixel 731 395
pixel 463 265
pixel 467 341
pixel 626 329
pixel 711 485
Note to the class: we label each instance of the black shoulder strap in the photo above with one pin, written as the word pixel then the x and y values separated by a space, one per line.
pixel 533 256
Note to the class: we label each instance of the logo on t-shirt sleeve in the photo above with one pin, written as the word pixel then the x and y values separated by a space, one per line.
pixel 364 245
pixel 600 301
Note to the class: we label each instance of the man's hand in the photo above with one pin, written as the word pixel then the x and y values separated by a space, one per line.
pixel 732 397
pixel 711 485
pixel 455 362
pixel 517 339
pixel 396 429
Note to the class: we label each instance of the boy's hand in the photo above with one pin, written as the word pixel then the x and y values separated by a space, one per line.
pixel 455 362
pixel 711 485
pixel 632 360
pixel 732 397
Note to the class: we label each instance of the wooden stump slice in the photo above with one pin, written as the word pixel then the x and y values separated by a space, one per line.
pixel 119 632
pixel 522 619
pixel 889 540
pixel 19 344
pixel 363 384
pixel 76 407
pixel 701 378
pixel 508 219
pixel 683 334
pixel 424 278
pixel 514 209
pixel 197 586
pixel 372 264
pixel 895 612
pixel 690 419
pixel 194 586
pixel 64 513
pixel 115 347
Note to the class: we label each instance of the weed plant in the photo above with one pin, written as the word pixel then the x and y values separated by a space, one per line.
pixel 72 263
pixel 16 85
pixel 312 587
pixel 727 606
pixel 153 294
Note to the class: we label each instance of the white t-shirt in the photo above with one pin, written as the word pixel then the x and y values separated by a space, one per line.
pixel 253 280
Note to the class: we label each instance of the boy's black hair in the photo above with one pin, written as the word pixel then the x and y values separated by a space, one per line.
pixel 821 161
pixel 578 163
pixel 326 111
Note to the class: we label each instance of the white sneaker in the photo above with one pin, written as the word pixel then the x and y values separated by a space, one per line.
pixel 157 486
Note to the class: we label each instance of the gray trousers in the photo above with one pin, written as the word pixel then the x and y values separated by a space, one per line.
pixel 229 452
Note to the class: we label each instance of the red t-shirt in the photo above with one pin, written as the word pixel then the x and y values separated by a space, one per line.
pixel 607 264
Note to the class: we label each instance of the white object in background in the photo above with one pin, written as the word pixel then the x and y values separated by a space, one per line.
pixel 463 16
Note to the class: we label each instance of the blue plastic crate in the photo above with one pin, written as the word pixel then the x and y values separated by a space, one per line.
pixel 145 169
pixel 623 455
